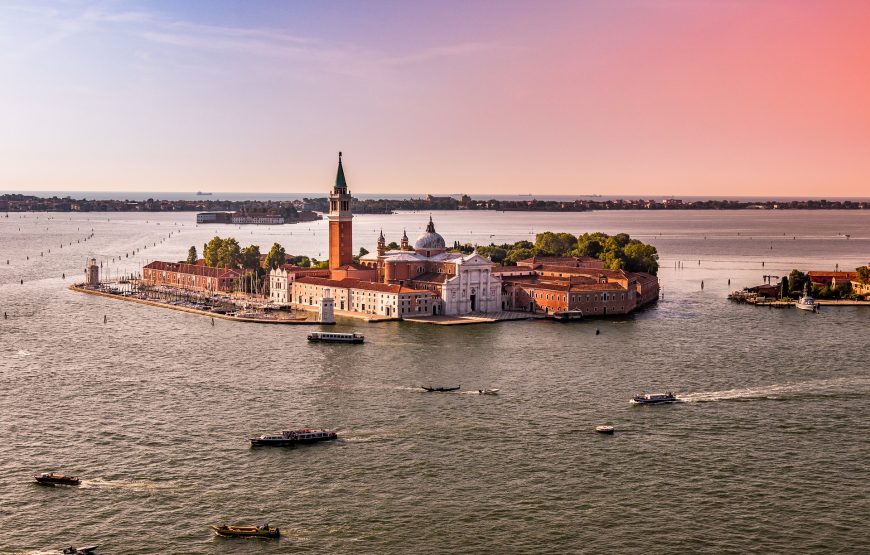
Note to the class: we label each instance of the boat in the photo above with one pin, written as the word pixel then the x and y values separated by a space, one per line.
pixel 441 388
pixel 332 337
pixel 488 391
pixel 245 531
pixel 655 399
pixel 604 429
pixel 294 437
pixel 806 302
pixel 79 550
pixel 57 479
pixel 202 194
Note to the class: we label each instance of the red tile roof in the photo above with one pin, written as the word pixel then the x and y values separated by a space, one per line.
pixel 350 283
pixel 194 269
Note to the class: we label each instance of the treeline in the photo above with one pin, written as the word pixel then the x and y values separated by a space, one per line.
pixel 617 252
pixel 227 253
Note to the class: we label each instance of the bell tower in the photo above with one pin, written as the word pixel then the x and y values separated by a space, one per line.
pixel 340 222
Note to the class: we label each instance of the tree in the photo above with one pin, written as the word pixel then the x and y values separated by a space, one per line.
pixel 555 244
pixel 798 280
pixel 276 257
pixel 496 254
pixel 362 252
pixel 229 253
pixel 783 286
pixel 249 257
pixel 392 246
pixel 191 255
pixel 591 248
pixel 515 255
pixel 640 257
pixel 863 274
pixel 210 251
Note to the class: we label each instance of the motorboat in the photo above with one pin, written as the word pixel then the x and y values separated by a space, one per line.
pixel 331 337
pixel 488 391
pixel 655 399
pixel 441 388
pixel 604 429
pixel 806 303
pixel 245 531
pixel 294 437
pixel 86 550
pixel 57 479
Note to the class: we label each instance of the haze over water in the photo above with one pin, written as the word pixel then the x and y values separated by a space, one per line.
pixel 154 408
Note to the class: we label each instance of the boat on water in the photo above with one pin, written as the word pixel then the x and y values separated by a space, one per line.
pixel 655 399
pixel 245 531
pixel 604 429
pixel 441 388
pixel 806 302
pixel 57 479
pixel 331 337
pixel 488 391
pixel 294 437
pixel 79 550
pixel 202 194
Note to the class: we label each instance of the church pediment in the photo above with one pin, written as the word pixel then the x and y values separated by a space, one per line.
pixel 476 260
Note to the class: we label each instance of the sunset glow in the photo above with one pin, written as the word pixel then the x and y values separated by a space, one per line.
pixel 673 97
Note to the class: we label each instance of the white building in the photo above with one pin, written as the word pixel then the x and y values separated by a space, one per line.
pixel 381 299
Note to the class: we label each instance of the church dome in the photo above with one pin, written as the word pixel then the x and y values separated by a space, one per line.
pixel 430 239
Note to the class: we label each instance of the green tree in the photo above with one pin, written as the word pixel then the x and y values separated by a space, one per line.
pixel 496 254
pixel 640 257
pixel 555 244
pixel 229 253
pixel 515 255
pixel 863 274
pixel 798 280
pixel 191 255
pixel 784 287
pixel 392 246
pixel 362 252
pixel 210 251
pixel 276 257
pixel 249 257
pixel 591 248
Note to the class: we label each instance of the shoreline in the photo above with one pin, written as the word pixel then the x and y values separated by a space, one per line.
pixel 81 289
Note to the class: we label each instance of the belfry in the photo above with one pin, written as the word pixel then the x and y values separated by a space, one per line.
pixel 340 222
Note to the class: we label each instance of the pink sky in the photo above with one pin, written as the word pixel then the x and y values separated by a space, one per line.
pixel 628 98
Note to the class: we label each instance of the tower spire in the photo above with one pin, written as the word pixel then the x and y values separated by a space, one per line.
pixel 340 182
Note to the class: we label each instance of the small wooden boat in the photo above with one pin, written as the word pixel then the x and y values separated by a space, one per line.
pixel 604 429
pixel 330 337
pixel 86 550
pixel 57 479
pixel 488 391
pixel 245 531
pixel 441 388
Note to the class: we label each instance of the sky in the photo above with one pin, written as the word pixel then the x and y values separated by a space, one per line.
pixel 634 98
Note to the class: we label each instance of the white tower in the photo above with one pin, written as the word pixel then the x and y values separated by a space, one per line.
pixel 327 306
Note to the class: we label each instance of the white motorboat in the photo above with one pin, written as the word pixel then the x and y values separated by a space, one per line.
pixel 806 302
pixel 488 391
pixel 604 429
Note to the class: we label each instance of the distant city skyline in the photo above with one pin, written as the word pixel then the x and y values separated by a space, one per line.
pixel 632 99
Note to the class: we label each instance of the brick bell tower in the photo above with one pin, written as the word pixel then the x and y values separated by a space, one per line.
pixel 340 222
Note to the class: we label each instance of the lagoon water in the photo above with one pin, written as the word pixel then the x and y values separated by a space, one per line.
pixel 153 408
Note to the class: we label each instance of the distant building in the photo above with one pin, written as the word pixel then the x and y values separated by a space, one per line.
pixel 257 219
pixel 363 297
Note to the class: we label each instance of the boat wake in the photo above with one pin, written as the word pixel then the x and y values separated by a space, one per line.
pixel 129 485
pixel 777 392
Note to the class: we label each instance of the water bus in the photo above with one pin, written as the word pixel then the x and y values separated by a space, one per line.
pixel 332 337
